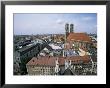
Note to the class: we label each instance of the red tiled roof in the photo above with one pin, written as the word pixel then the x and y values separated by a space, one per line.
pixel 74 59
pixel 78 37
pixel 46 60
pixel 50 61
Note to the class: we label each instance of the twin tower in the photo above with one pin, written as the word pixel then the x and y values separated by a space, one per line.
pixel 69 28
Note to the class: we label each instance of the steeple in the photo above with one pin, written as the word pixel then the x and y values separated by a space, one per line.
pixel 67 29
pixel 71 28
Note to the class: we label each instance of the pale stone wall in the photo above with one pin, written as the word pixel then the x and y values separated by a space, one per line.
pixel 40 70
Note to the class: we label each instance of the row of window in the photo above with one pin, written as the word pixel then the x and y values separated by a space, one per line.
pixel 41 72
pixel 30 54
pixel 79 44
pixel 43 67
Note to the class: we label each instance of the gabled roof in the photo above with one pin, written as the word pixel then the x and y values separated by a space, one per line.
pixel 78 37
pixel 43 60
pixel 68 72
pixel 50 60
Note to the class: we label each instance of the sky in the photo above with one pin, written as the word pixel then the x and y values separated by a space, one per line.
pixel 53 23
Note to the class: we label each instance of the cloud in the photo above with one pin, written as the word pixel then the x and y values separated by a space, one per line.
pixel 59 21
pixel 87 18
pixel 53 23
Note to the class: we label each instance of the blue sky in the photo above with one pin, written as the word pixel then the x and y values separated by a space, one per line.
pixel 27 24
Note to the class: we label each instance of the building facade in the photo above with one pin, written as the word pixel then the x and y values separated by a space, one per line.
pixel 23 55
pixel 49 65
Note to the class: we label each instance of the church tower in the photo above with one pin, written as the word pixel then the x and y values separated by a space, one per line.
pixel 67 29
pixel 71 28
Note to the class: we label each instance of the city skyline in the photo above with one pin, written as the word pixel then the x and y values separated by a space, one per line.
pixel 54 23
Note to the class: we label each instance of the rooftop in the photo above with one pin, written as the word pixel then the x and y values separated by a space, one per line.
pixel 50 60
pixel 68 72
pixel 78 37
pixel 54 47
pixel 27 47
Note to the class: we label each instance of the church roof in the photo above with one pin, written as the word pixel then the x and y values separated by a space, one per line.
pixel 78 37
